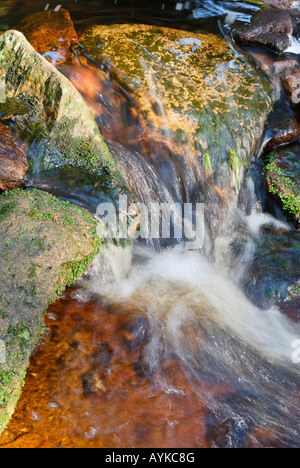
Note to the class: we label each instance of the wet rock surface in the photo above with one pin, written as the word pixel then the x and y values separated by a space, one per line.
pixel 88 345
pixel 284 126
pixel 290 79
pixel 282 173
pixel 284 4
pixel 193 93
pixel 48 112
pixel 45 245
pixel 13 163
pixel 273 277
pixel 270 28
pixel 51 33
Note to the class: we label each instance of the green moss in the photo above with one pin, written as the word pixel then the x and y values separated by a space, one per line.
pixel 80 151
pixel 68 220
pixel 282 183
pixel 207 164
pixel 235 161
pixel 32 272
pixel 6 209
pixel 71 272
pixel 8 400
pixel 46 254
pixel 3 314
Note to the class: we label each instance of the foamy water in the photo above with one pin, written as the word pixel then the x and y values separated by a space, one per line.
pixel 198 312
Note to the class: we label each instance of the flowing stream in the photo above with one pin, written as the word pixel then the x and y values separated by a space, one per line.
pixel 159 345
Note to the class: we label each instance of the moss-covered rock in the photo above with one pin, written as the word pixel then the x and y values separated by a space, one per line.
pixel 194 91
pixel 282 172
pixel 45 245
pixel 49 112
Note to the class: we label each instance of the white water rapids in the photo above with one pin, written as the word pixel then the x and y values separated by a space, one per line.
pixel 197 311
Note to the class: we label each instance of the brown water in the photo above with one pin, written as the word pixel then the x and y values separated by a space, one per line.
pixel 88 386
pixel 106 398
pixel 174 353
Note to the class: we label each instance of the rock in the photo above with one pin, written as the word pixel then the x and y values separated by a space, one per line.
pixel 192 91
pixel 284 4
pixel 46 244
pixel 282 173
pixel 284 126
pixel 13 163
pixel 288 72
pixel 51 33
pixel 271 28
pixel 273 277
pixel 291 85
pixel 49 113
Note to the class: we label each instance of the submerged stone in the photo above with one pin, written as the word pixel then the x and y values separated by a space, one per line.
pixel 51 33
pixel 13 163
pixel 49 112
pixel 194 91
pixel 45 245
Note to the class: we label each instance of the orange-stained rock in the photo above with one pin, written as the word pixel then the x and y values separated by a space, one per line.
pixel 284 4
pixel 50 33
pixel 13 163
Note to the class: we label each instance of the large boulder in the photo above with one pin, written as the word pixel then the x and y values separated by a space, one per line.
pixel 13 163
pixel 48 112
pixel 204 100
pixel 45 245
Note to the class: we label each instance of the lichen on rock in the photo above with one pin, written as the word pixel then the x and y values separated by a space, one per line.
pixel 194 91
pixel 45 245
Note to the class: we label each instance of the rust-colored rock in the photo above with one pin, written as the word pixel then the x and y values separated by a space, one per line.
pixel 288 72
pixel 284 4
pixel 291 85
pixel 50 33
pixel 13 163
